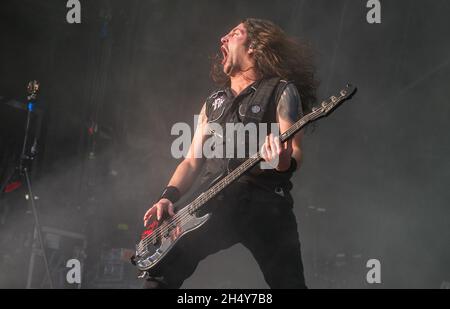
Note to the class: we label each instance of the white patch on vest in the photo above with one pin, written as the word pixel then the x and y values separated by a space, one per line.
pixel 218 103
pixel 256 109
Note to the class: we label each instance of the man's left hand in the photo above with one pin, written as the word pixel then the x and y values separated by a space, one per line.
pixel 276 154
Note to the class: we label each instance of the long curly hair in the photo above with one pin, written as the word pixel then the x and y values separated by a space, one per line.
pixel 277 55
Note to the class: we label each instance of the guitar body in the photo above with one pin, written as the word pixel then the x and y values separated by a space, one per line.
pixel 150 253
pixel 159 237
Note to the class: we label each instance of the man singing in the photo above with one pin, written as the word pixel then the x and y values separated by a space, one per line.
pixel 266 77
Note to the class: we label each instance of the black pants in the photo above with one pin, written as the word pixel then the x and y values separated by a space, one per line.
pixel 262 221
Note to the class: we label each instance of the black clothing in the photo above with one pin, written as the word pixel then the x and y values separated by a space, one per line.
pixel 264 224
pixel 249 106
pixel 256 210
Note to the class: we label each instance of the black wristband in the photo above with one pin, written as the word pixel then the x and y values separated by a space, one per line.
pixel 292 168
pixel 171 193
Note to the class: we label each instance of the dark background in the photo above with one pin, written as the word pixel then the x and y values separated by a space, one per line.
pixel 374 183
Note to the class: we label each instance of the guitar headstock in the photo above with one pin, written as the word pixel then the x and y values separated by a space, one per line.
pixel 331 103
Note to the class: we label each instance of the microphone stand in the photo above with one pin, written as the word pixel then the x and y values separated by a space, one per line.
pixel 33 88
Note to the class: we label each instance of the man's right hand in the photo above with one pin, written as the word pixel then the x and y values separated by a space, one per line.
pixel 160 208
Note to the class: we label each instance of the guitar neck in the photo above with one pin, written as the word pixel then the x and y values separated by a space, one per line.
pixel 244 167
pixel 325 108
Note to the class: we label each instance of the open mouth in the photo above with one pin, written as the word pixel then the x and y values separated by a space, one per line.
pixel 224 54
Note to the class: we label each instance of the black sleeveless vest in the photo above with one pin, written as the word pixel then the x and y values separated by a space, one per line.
pixel 255 104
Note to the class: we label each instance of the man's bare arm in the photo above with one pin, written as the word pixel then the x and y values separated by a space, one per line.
pixel 188 170
pixel 289 111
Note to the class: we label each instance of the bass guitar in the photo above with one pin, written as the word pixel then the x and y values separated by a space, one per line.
pixel 159 237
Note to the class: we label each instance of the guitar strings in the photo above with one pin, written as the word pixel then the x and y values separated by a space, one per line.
pixel 182 215
pixel 174 221
pixel 177 220
pixel 200 200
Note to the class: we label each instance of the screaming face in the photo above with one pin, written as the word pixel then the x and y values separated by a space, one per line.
pixel 234 49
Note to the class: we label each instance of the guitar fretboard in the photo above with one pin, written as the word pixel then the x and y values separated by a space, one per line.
pixel 324 108
pixel 248 164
